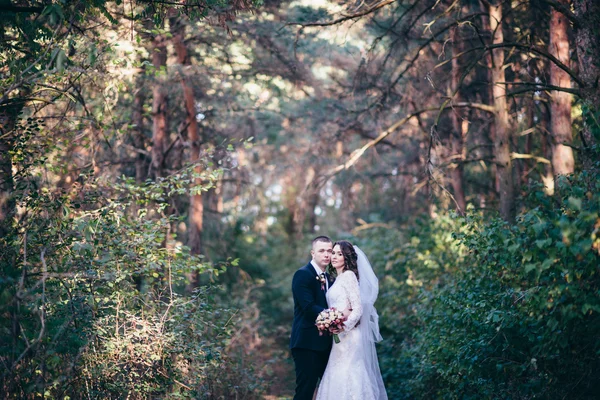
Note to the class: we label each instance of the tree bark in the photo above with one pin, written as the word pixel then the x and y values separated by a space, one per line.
pixel 141 168
pixel 304 202
pixel 196 208
pixel 313 202
pixel 457 135
pixel 560 106
pixel 488 97
pixel 587 42
pixel 9 269
pixel 501 126
pixel 8 116
pixel 546 143
pixel 159 105
pixel 289 200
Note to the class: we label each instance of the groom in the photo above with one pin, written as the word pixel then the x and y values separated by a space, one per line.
pixel 309 350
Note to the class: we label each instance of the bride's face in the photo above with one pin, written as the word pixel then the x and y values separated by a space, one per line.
pixel 337 258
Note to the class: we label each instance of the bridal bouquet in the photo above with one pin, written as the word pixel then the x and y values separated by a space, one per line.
pixel 328 320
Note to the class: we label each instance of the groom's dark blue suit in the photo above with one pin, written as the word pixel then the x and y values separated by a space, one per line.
pixel 310 351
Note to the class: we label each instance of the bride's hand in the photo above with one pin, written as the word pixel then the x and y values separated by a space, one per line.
pixel 346 313
pixel 336 331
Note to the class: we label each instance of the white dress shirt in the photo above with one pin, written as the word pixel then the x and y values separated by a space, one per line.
pixel 319 272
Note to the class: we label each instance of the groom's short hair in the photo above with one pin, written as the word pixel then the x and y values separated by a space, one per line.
pixel 325 239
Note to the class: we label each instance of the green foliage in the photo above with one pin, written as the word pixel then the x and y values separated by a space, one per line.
pixel 494 310
pixel 94 302
pixel 591 118
pixel 409 263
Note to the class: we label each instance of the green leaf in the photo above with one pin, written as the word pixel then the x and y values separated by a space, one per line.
pixel 589 307
pixel 543 243
pixel 547 263
pixel 530 267
pixel 575 203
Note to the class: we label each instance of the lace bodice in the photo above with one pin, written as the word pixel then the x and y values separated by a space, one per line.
pixel 345 293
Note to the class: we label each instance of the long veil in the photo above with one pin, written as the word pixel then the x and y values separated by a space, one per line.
pixel 369 323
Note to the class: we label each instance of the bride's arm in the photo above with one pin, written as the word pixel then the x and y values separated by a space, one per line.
pixel 353 293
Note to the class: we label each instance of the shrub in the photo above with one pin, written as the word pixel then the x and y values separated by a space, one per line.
pixel 92 297
pixel 497 310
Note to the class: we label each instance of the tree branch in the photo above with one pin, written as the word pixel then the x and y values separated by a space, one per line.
pixel 356 154
pixel 529 156
pixel 417 53
pixel 540 52
pixel 536 87
pixel 345 17
pixel 563 9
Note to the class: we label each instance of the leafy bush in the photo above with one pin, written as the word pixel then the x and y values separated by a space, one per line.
pixel 92 295
pixel 409 263
pixel 497 310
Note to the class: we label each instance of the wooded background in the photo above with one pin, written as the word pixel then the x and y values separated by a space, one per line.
pixel 164 166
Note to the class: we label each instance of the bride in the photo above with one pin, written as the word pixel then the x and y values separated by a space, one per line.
pixel 353 370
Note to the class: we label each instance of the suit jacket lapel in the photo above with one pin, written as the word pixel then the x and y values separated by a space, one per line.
pixel 321 296
pixel 312 269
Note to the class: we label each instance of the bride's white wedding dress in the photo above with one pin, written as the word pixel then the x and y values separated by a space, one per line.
pixel 352 372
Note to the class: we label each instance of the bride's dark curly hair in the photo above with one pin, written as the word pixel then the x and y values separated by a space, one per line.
pixel 350 257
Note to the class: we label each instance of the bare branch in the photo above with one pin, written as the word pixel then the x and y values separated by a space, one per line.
pixel 356 154
pixel 540 52
pixel 417 52
pixel 364 226
pixel 529 156
pixel 536 87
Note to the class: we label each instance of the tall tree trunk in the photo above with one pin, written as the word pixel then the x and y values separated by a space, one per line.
pixel 196 208
pixel 9 114
pixel 213 206
pixel 241 176
pixel 528 165
pixel 457 135
pixel 313 202
pixel 7 203
pixel 501 127
pixel 546 141
pixel 289 200
pixel 587 41
pixel 8 118
pixel 141 168
pixel 560 108
pixel 305 199
pixel 159 104
pixel 8 251
pixel 141 159
pixel 489 98
pixel 215 195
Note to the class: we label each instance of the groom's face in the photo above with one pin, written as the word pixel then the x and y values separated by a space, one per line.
pixel 321 253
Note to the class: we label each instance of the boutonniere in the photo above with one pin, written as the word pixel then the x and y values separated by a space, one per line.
pixel 321 278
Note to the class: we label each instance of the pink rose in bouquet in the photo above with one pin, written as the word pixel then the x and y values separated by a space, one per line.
pixel 328 320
